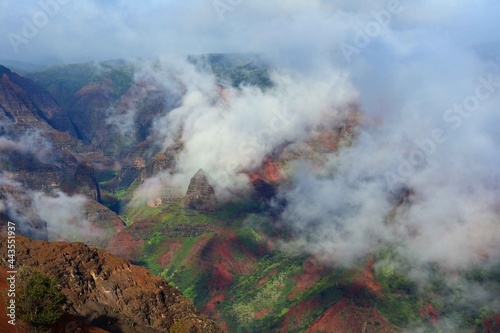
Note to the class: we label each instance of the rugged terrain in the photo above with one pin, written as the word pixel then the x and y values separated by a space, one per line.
pixel 108 291
pixel 227 257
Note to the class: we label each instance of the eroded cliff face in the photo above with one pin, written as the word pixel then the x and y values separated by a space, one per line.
pixel 101 286
pixel 38 147
pixel 23 101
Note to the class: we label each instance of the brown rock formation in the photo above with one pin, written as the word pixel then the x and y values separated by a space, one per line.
pixel 110 292
pixel 200 195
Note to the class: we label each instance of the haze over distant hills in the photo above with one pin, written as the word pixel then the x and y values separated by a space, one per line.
pixel 23 66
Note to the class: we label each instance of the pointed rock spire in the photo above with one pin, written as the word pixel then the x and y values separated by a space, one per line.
pixel 200 195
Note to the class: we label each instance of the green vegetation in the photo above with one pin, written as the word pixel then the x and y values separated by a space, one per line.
pixel 185 275
pixel 73 77
pixel 178 327
pixel 403 298
pixel 40 301
pixel 140 213
pixel 400 304
pixel 237 69
pixel 179 247
pixel 105 175
pixel 237 211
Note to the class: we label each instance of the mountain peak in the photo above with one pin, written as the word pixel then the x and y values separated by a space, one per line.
pixel 200 175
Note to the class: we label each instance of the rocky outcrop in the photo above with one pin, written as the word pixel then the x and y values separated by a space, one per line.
pixel 109 292
pixel 166 200
pixel 200 195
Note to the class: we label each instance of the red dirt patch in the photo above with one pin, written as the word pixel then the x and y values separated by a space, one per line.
pixel 167 257
pixel 431 315
pixel 4 325
pixel 367 281
pixel 223 326
pixel 216 255
pixel 345 317
pixel 492 325
pixel 124 245
pixel 197 248
pixel 263 281
pixel 270 172
pixel 222 248
pixel 312 270
pixel 262 313
pixel 210 308
pixel 296 315
pixel 221 277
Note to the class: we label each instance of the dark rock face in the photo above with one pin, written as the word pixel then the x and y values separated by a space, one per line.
pixel 98 285
pixel 200 195
pixel 86 181
pixel 23 101
pixel 88 113
pixel 29 113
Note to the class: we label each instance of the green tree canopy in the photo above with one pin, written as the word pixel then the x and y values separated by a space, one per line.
pixel 40 300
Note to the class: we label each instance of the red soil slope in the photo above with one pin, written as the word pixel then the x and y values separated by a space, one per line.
pixel 270 172
pixel 346 317
pixel 353 313
pixel 217 255
pixel 312 270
